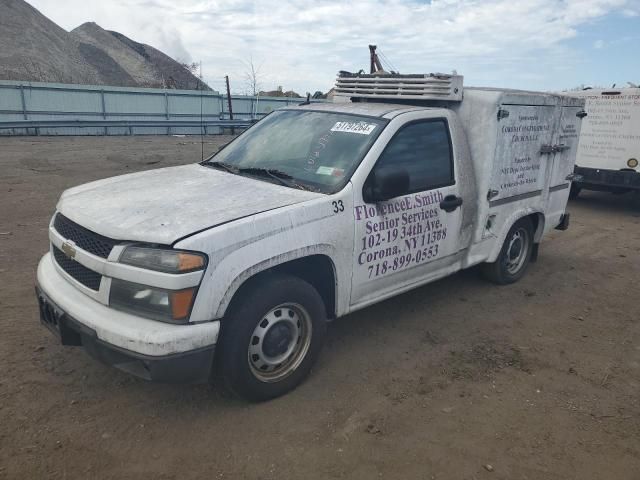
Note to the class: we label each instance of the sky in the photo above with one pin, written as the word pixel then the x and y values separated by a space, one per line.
pixel 302 44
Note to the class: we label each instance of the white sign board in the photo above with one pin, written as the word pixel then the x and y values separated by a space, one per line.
pixel 610 133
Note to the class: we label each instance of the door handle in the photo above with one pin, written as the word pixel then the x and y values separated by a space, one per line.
pixel 450 203
pixel 546 149
pixel 549 149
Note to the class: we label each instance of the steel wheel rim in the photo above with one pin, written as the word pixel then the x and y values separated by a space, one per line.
pixel 279 342
pixel 517 251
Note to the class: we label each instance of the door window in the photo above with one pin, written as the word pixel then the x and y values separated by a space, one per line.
pixel 423 149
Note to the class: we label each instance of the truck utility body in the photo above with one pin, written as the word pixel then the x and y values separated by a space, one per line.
pixel 316 211
pixel 609 149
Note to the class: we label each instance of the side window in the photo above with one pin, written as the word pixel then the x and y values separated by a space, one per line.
pixel 424 151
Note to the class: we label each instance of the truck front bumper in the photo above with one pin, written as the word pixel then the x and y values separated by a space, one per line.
pixel 145 348
pixel 608 180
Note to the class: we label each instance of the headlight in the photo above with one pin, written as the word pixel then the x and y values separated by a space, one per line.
pixel 151 302
pixel 163 260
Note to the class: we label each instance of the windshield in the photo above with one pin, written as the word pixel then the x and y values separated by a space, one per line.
pixel 304 149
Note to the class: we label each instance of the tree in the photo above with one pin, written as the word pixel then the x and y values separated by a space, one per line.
pixel 195 69
pixel 252 76
pixel 192 68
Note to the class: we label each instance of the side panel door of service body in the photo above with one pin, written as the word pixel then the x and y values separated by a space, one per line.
pixel 566 139
pixel 521 167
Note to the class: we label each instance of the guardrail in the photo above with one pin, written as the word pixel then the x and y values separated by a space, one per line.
pixel 64 109
pixel 129 126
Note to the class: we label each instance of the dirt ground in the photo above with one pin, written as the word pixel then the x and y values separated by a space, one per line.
pixel 456 380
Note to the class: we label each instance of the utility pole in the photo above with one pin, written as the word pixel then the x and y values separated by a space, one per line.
pixel 233 130
pixel 229 98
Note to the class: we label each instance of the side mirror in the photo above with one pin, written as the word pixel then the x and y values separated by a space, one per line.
pixel 385 183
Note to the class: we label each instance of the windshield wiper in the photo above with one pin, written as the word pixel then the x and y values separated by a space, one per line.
pixel 281 177
pixel 224 166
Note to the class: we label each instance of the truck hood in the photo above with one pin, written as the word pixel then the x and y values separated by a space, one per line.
pixel 164 205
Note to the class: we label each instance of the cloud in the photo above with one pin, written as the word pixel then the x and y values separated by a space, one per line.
pixel 598 44
pixel 302 44
pixel 170 42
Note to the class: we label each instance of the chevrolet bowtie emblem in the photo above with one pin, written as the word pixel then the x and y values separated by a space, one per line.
pixel 68 249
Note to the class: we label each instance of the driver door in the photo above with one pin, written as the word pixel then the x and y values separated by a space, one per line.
pixel 414 236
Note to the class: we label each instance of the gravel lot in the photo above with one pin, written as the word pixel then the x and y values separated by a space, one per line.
pixel 456 380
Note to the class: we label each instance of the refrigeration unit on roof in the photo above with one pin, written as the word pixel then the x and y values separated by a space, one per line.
pixel 431 86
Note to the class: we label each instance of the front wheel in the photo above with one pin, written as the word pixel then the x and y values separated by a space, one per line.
pixel 272 337
pixel 515 255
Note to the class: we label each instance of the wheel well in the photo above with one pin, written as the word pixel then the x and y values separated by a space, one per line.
pixel 537 220
pixel 317 270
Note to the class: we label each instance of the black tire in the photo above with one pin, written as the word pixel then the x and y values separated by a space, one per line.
pixel 574 191
pixel 262 298
pixel 504 270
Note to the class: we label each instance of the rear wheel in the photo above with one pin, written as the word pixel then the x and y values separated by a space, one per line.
pixel 272 337
pixel 515 255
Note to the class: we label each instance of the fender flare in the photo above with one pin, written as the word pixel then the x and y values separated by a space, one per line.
pixel 509 222
pixel 274 261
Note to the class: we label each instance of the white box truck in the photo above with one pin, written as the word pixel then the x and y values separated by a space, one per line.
pixel 609 147
pixel 234 265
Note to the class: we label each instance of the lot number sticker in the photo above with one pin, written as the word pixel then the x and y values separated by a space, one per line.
pixel 361 128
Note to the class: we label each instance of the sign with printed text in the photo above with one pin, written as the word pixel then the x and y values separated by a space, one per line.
pixel 611 132
pixel 520 167
pixel 402 234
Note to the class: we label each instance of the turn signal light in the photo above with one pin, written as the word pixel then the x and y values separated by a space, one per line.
pixel 181 302
pixel 190 261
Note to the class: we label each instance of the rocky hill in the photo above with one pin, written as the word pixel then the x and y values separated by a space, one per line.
pixel 36 49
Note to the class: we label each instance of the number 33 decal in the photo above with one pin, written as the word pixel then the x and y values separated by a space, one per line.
pixel 337 206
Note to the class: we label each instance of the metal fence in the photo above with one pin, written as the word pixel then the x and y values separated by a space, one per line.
pixel 64 109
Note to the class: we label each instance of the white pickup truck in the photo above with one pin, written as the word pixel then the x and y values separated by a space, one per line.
pixel 236 264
